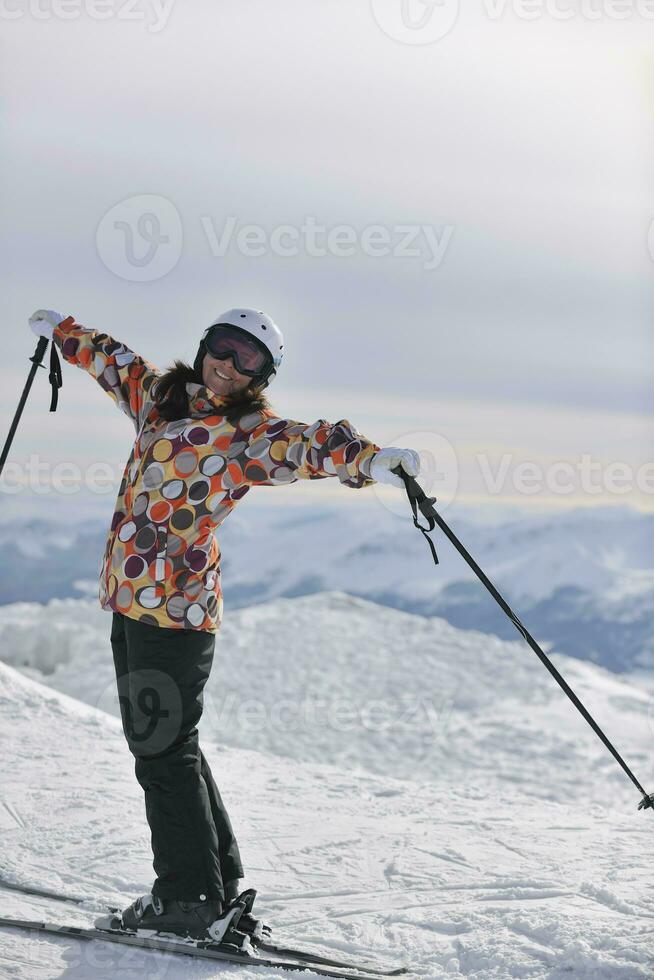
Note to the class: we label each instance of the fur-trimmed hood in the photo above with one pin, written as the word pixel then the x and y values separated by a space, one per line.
pixel 183 393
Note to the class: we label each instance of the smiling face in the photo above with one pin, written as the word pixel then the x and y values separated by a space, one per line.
pixel 221 376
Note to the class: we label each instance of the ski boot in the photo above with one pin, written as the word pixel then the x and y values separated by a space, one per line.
pixel 171 918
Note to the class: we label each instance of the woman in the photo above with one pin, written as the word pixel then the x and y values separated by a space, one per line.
pixel 204 436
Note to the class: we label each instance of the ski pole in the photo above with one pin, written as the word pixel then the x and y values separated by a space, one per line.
pixel 55 381
pixel 420 501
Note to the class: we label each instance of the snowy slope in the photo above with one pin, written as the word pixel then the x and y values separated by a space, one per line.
pixel 487 886
pixel 333 678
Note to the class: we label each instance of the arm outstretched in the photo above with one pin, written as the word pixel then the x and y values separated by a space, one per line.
pixel 125 376
pixel 281 451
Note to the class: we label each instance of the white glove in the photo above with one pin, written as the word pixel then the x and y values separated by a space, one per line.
pixel 386 459
pixel 43 322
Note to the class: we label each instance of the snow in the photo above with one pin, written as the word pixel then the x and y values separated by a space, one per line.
pixel 600 561
pixel 498 841
pixel 332 677
pixel 604 551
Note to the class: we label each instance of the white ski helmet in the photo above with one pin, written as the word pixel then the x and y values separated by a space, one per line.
pixel 260 326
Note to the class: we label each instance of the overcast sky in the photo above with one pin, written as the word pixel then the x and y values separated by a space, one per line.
pixel 511 157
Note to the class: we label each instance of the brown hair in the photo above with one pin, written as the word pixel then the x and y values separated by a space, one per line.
pixel 171 398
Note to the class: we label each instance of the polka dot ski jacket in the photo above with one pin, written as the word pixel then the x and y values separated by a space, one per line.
pixel 162 561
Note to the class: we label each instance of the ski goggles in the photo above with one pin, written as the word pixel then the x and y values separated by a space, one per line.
pixel 224 340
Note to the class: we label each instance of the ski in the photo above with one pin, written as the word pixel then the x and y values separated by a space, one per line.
pixel 291 952
pixel 303 955
pixel 202 950
pixel 40 892
pixel 307 957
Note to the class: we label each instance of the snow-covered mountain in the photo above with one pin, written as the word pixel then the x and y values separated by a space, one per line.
pixel 41 559
pixel 331 677
pixel 496 863
pixel 582 581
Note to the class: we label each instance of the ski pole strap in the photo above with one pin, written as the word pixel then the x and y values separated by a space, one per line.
pixel 418 499
pixel 54 377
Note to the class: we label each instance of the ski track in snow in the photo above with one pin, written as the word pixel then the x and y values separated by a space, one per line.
pixel 486 883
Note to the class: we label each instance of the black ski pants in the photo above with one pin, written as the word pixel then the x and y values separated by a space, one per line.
pixel 161 673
